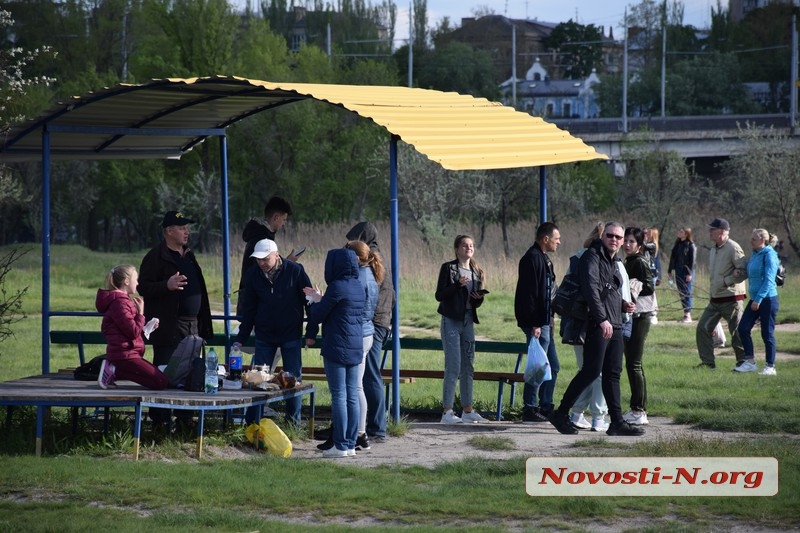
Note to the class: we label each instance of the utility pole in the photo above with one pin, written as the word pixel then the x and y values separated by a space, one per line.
pixel 410 46
pixel 793 87
pixel 625 76
pixel 514 66
pixel 664 60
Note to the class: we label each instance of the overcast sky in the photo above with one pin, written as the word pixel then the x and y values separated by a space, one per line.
pixel 598 12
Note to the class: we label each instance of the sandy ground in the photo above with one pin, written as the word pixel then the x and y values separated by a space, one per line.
pixel 431 443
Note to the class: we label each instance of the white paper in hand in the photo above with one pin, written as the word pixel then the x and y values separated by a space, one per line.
pixel 149 327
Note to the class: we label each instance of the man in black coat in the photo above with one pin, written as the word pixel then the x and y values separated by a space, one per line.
pixel 174 291
pixel 535 286
pixel 601 285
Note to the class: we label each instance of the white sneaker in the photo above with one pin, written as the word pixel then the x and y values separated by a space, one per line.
pixel 351 452
pixel 748 365
pixel 768 371
pixel 334 453
pixel 579 421
pixel 450 418
pixel 599 424
pixel 472 417
pixel 106 378
pixel 653 319
pixel 636 418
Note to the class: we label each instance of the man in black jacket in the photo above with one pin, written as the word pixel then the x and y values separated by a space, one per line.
pixel 535 285
pixel 174 291
pixel 601 285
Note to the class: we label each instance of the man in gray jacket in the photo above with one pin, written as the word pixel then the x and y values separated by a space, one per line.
pixel 727 270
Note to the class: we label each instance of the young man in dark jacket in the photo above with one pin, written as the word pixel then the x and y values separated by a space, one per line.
pixel 276 212
pixel 275 305
pixel 602 351
pixel 535 285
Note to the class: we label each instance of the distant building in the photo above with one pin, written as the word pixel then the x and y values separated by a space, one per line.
pixel 740 8
pixel 493 33
pixel 541 96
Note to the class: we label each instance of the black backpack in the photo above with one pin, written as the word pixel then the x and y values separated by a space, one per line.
pixel 90 370
pixel 181 363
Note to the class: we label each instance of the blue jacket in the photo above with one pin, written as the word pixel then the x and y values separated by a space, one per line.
pixel 275 308
pixel 341 310
pixel 371 288
pixel 761 270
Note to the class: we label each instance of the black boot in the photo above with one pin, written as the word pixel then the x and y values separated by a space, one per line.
pixel 327 445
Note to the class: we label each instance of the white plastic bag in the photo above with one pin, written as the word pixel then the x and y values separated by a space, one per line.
pixel 537 367
pixel 719 335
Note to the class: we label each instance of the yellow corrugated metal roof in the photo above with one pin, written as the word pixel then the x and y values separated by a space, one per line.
pixel 457 131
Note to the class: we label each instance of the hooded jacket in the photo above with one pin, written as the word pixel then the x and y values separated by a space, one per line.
pixel 340 310
pixel 275 308
pixel 367 233
pixel 122 325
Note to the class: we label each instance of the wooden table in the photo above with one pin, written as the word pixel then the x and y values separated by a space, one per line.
pixel 62 390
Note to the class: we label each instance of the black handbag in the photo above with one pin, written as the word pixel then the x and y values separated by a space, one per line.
pixel 568 300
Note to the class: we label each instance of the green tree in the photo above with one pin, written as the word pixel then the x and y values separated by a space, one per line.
pixel 655 184
pixel 762 179
pixel 579 48
pixel 458 67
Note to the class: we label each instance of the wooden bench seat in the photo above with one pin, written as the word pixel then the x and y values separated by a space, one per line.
pixel 407 375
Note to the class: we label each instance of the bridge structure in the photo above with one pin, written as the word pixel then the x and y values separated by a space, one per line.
pixel 715 137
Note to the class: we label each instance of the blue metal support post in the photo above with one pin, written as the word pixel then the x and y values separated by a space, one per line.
pixel 395 278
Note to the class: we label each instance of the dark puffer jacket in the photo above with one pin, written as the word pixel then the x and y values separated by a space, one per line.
pixel 275 308
pixel 122 325
pixel 340 310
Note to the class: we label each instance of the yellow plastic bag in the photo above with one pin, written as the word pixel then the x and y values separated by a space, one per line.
pixel 266 435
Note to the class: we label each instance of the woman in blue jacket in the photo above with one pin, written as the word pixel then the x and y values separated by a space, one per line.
pixel 763 306
pixel 340 311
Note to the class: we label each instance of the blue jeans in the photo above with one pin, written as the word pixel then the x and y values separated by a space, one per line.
pixel 373 385
pixel 345 411
pixel 684 289
pixel 291 354
pixel 767 312
pixel 547 388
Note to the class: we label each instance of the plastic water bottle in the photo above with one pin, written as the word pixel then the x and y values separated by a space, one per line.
pixel 235 364
pixel 212 380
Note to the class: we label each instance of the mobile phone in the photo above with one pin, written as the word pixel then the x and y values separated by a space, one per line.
pixel 483 291
pixel 299 252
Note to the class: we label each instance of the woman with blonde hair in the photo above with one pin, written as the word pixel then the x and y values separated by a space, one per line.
pixel 370 275
pixel 763 306
pixel 651 253
pixel 459 292
pixel 122 326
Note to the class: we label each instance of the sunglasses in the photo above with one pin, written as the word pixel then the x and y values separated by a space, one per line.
pixel 614 236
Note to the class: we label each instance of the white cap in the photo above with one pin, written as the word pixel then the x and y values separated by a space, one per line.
pixel 263 248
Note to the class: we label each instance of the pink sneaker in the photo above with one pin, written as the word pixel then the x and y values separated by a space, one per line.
pixel 106 377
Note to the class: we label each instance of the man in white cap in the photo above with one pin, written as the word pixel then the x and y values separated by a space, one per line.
pixel 726 262
pixel 273 302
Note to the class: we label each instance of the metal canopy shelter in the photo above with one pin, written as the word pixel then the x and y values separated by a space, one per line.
pixel 166 118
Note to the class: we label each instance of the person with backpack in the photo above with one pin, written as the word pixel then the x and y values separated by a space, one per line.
pixel 763 306
pixel 122 326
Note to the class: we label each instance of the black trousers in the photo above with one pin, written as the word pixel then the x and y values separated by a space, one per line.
pixel 599 355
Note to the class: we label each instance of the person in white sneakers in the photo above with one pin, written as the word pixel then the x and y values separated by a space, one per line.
pixel 459 292
pixel 763 305
pixel 726 273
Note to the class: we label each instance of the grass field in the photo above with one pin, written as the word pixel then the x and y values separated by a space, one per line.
pixel 88 484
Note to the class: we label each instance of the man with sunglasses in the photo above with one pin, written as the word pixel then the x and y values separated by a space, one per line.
pixel 601 286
